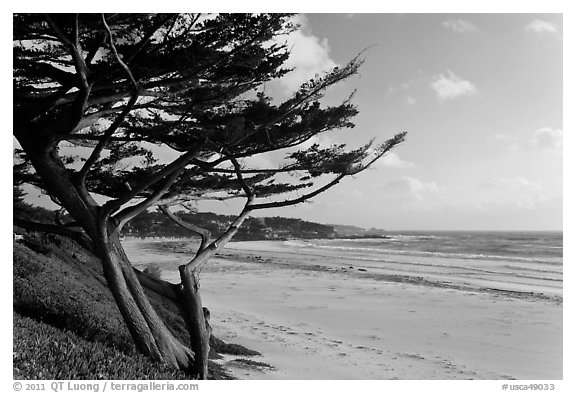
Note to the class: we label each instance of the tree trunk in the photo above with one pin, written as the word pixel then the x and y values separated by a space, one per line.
pixel 149 332
pixel 197 321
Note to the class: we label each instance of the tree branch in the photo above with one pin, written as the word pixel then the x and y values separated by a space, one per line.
pixel 383 149
pixel 95 155
pixel 92 118
pixel 341 74
pixel 149 34
pixel 169 169
pixel 249 192
pixel 205 234
pixel 74 48
pixel 130 212
pixel 77 236
pixel 202 257
pixel 84 86
pixel 179 199
pixel 303 198
pixel 289 168
pixel 161 287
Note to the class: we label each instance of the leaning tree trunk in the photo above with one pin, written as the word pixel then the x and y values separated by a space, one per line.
pixel 150 334
pixel 197 321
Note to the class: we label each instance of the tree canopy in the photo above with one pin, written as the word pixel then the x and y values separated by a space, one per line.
pixel 100 101
pixel 126 84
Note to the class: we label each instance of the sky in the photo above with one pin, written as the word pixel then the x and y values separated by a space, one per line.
pixel 480 96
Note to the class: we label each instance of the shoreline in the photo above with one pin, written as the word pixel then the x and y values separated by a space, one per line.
pixel 313 320
pixel 272 252
pixel 396 278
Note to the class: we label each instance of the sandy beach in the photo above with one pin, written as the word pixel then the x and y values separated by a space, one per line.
pixel 314 319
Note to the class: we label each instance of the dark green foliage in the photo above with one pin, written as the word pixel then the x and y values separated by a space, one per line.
pixel 42 351
pixel 63 290
pixel 65 287
pixel 253 363
pixel 230 348
pixel 154 271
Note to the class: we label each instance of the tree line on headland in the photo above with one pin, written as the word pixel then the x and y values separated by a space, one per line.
pixel 156 224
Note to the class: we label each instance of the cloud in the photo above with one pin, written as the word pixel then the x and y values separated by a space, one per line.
pixel 460 25
pixel 502 138
pixel 451 86
pixel 511 142
pixel 517 192
pixel 548 139
pixel 512 184
pixel 520 205
pixel 309 55
pixel 411 194
pixel 543 139
pixel 393 160
pixel 407 185
pixel 541 27
pixel 404 90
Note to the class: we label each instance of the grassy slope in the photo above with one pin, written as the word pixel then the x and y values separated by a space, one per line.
pixel 67 326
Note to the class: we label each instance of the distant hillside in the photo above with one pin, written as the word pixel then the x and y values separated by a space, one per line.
pixel 350 231
pixel 156 224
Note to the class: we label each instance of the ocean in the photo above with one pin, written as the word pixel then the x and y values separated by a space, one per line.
pixel 514 261
pixel 529 263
